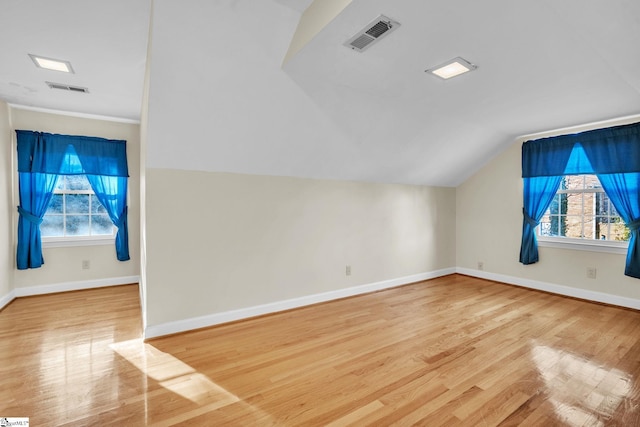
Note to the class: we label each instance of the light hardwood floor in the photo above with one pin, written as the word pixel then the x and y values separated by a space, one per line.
pixel 450 351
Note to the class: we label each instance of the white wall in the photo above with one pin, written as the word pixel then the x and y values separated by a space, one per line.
pixel 6 207
pixel 64 265
pixel 219 239
pixel 489 229
pixel 218 242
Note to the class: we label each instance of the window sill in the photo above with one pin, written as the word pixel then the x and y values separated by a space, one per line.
pixel 607 246
pixel 52 242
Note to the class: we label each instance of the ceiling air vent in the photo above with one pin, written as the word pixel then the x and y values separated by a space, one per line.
pixel 377 29
pixel 67 87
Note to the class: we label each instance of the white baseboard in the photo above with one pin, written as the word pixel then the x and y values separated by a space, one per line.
pixel 74 286
pixel 153 331
pixel 244 313
pixel 554 288
pixel 7 299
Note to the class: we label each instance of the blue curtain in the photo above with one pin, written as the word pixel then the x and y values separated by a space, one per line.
pixel 543 165
pixel 615 157
pixel 611 153
pixel 41 158
pixel 111 191
pixel 538 195
pixel 45 152
pixel 622 189
pixel 36 190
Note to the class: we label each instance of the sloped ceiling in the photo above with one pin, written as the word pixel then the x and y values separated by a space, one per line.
pixel 220 98
pixel 542 65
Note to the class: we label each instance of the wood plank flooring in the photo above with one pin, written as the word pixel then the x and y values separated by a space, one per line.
pixel 450 351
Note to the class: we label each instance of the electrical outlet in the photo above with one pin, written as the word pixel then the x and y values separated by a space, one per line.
pixel 591 273
pixel 86 264
pixel 347 270
pixel 480 265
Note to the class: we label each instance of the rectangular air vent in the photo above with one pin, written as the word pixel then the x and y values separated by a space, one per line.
pixel 67 87
pixel 365 38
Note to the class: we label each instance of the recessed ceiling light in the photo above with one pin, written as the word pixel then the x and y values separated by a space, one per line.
pixel 52 64
pixel 452 68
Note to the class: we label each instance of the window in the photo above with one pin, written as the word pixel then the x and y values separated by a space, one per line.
pixel 75 212
pixel 43 158
pixel 582 210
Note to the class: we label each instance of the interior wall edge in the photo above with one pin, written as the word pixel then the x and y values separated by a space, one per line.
pixel 75 286
pixel 554 288
pixel 184 325
pixel 6 299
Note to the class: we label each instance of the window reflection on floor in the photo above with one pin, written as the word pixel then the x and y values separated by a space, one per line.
pixel 581 391
pixel 63 357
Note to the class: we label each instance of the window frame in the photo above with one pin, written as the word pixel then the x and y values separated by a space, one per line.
pixel 607 246
pixel 584 244
pixel 70 241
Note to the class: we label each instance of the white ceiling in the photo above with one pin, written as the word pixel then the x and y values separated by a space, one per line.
pixel 221 100
pixel 105 41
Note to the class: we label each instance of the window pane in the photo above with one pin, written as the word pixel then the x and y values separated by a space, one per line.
pixel 614 211
pixel 582 210
pixel 574 182
pixel 573 226
pixel 619 230
pixel 602 228
pixel 56 204
pixel 573 204
pixel 60 185
pixel 77 225
pixel 555 205
pixel 555 225
pixel 563 203
pixel 563 183
pixel 96 206
pixel 545 227
pixel 573 219
pixel 77 182
pixel 591 181
pixel 589 229
pixel 602 204
pixel 101 225
pixel 589 205
pixel 52 226
pixel 77 203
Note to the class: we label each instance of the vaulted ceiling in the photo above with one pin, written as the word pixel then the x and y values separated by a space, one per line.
pixel 223 98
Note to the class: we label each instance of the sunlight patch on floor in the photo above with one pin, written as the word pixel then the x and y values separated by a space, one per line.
pixel 181 379
pixel 172 373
